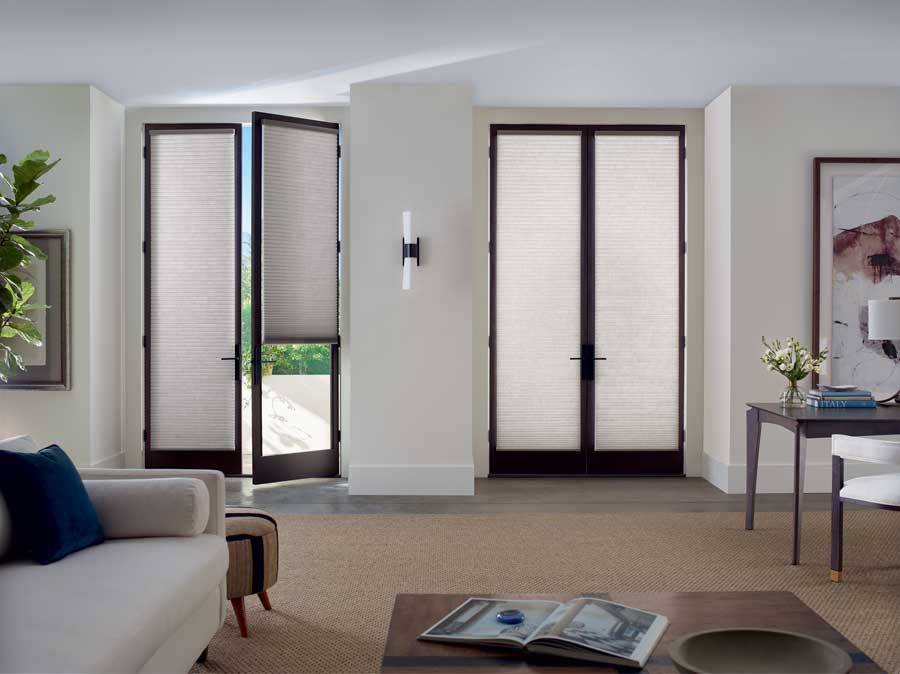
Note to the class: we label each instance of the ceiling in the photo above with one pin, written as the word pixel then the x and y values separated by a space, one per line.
pixel 515 52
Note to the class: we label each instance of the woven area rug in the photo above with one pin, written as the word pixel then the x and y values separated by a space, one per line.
pixel 339 574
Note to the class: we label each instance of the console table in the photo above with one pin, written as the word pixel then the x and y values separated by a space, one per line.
pixel 808 422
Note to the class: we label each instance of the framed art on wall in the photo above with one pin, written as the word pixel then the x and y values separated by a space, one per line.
pixel 856 239
pixel 47 366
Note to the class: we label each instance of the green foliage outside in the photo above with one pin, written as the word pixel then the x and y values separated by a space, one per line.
pixel 281 358
pixel 16 253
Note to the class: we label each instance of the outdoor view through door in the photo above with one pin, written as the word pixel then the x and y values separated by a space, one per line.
pixel 587 275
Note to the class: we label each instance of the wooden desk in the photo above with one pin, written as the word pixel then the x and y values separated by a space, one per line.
pixel 687 612
pixel 808 422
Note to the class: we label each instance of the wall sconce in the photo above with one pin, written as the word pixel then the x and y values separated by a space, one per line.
pixel 410 250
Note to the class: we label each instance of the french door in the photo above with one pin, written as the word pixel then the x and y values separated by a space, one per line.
pixel 295 337
pixel 192 313
pixel 587 321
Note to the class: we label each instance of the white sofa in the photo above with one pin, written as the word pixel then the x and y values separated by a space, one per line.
pixel 131 604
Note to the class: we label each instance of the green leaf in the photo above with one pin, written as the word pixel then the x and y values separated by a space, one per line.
pixel 7 180
pixel 27 332
pixel 34 307
pixel 2 158
pixel 37 203
pixel 23 224
pixel 27 291
pixel 7 332
pixel 27 246
pixel 7 299
pixel 10 256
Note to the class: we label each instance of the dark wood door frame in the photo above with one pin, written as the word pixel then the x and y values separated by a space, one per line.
pixel 277 468
pixel 586 461
pixel 226 460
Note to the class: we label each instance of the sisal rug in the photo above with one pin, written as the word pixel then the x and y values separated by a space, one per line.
pixel 339 574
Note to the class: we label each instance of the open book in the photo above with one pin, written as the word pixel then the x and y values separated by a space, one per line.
pixel 583 628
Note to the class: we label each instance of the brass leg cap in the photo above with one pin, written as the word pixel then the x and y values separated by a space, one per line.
pixel 837 576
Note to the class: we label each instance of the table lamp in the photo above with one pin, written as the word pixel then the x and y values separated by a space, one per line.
pixel 884 324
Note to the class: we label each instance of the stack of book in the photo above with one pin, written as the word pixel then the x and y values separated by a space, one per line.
pixel 845 398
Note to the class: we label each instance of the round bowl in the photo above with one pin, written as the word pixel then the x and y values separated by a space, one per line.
pixel 757 651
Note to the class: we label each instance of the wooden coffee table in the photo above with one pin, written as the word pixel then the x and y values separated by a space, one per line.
pixel 687 612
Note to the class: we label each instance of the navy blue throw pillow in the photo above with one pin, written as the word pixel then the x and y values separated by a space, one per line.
pixel 52 515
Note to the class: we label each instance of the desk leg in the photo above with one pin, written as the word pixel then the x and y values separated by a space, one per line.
pixel 753 428
pixel 799 477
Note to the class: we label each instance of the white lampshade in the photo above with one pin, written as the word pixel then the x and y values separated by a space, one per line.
pixel 884 319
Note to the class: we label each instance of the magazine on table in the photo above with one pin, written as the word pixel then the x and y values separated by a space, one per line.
pixel 583 628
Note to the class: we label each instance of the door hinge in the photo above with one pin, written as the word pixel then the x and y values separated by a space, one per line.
pixel 144 151
pixel 144 341
pixel 683 341
pixel 682 436
pixel 339 151
pixel 144 435
pixel 490 341
pixel 339 246
pixel 684 247
pixel 143 246
pixel 339 435
pixel 490 151
pixel 490 247
pixel 684 151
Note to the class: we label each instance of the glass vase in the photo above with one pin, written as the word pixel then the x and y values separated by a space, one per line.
pixel 792 396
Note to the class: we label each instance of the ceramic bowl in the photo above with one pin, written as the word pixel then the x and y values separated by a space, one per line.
pixel 757 651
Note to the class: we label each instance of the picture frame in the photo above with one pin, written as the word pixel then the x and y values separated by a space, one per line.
pixel 856 257
pixel 48 367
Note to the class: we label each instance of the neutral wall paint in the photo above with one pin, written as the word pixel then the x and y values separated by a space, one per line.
pixel 693 121
pixel 775 134
pixel 80 125
pixel 412 350
pixel 106 162
pixel 717 289
pixel 132 274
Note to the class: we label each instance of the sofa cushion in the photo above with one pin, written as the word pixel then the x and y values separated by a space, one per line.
pixel 107 608
pixel 51 513
pixel 882 489
pixel 18 443
pixel 164 506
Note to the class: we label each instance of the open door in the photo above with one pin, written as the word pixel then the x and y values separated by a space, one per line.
pixel 192 313
pixel 295 298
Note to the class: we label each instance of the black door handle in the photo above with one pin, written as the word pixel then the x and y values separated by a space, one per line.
pixel 232 358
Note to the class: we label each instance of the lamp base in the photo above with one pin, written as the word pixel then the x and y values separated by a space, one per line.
pixel 893 400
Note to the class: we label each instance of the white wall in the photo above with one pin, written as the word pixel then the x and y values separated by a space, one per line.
pixel 106 163
pixel 132 269
pixel 78 124
pixel 775 134
pixel 717 290
pixel 411 394
pixel 693 122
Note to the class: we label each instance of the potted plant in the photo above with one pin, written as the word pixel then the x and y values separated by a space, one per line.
pixel 16 253
pixel 794 362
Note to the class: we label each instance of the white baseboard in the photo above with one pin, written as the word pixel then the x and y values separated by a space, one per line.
pixel 412 480
pixel 778 478
pixel 114 461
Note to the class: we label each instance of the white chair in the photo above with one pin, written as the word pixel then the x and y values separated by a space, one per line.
pixel 873 491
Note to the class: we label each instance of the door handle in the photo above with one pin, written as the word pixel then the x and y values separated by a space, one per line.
pixel 231 358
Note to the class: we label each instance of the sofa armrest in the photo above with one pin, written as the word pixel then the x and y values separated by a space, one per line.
pixel 213 479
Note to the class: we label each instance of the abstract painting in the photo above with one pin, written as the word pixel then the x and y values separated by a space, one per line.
pixel 864 236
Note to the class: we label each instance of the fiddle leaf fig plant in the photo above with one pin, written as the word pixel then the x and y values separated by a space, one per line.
pixel 16 253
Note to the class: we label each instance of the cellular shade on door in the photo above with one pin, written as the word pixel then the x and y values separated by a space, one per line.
pixel 637 258
pixel 536 243
pixel 299 221
pixel 192 314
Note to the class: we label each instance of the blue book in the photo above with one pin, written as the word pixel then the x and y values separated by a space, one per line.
pixel 812 402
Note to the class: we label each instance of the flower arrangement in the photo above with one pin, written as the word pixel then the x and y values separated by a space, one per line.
pixel 793 361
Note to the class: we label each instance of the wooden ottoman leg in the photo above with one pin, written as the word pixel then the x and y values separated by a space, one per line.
pixel 264 599
pixel 238 605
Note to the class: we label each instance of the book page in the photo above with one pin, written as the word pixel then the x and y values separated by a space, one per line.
pixel 603 626
pixel 476 620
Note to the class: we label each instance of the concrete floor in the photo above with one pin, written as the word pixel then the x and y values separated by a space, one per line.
pixel 495 495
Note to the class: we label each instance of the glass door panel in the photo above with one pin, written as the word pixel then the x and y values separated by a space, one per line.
pixel 637 257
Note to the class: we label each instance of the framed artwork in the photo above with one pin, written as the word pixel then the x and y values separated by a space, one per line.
pixel 47 366
pixel 856 243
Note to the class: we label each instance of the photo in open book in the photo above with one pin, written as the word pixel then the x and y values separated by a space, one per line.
pixel 611 628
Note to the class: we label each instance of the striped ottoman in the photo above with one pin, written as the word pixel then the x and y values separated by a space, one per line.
pixel 252 537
